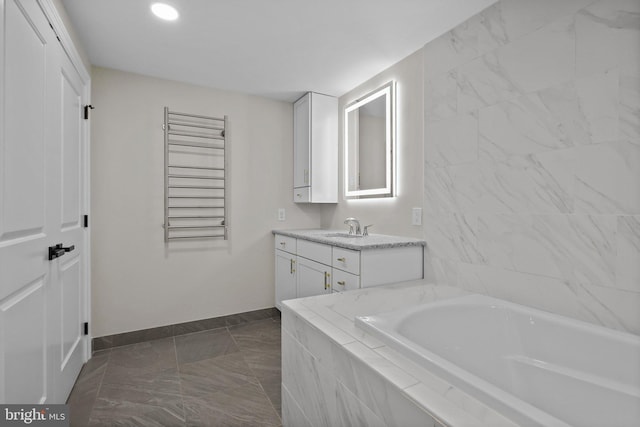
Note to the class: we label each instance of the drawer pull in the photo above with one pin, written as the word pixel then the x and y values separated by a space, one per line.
pixel 293 270
pixel 283 243
pixel 342 259
pixel 326 280
pixel 342 283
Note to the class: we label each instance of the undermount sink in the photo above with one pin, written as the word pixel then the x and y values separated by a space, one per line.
pixel 343 235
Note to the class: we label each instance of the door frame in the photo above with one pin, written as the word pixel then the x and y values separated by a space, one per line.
pixel 53 15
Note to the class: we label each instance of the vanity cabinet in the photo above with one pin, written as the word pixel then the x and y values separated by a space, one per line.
pixel 305 268
pixel 315 149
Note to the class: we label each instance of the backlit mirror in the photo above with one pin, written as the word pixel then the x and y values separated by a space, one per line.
pixel 369 151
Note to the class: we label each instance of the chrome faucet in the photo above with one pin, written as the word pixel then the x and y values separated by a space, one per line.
pixel 351 222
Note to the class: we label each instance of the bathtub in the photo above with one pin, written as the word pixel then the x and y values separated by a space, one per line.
pixel 534 367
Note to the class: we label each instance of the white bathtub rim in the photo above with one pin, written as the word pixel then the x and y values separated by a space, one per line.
pixel 474 298
pixel 504 402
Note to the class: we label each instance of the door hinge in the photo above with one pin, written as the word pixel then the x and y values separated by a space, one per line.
pixel 54 32
pixel 86 328
pixel 86 221
pixel 86 111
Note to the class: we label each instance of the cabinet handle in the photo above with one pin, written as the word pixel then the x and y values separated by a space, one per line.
pixel 283 243
pixel 293 270
pixel 342 259
pixel 342 283
pixel 326 280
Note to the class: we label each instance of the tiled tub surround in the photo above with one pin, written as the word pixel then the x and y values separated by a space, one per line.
pixel 532 157
pixel 333 373
pixel 372 241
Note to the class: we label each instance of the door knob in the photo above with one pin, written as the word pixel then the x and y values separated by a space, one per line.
pixel 59 250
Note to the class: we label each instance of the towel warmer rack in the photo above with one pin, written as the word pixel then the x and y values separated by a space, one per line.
pixel 195 176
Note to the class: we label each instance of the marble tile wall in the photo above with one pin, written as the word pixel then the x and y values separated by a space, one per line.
pixel 532 157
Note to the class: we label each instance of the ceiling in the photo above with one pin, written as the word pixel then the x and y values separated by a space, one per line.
pixel 273 48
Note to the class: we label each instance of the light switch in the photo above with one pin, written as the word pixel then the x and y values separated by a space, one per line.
pixel 281 215
pixel 416 216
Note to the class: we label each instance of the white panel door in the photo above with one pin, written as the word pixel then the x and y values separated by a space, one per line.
pixel 66 291
pixel 38 358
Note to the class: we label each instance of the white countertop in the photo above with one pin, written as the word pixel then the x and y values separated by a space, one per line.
pixel 372 241
pixel 334 315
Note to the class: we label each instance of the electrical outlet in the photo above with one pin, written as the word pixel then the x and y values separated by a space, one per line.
pixel 281 215
pixel 416 216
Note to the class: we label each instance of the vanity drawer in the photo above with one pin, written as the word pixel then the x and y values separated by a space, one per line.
pixel 314 251
pixel 346 259
pixel 286 243
pixel 343 281
pixel 302 195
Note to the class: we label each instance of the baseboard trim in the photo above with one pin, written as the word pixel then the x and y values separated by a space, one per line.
pixel 126 338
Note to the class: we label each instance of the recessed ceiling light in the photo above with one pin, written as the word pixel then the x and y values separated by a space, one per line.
pixel 164 11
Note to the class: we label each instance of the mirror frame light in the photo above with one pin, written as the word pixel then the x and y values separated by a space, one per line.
pixel 388 91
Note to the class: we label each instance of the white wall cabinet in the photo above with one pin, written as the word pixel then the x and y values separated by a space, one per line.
pixel 305 268
pixel 315 149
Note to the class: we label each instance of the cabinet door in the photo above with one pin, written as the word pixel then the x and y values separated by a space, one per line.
pixel 313 278
pixel 302 142
pixel 285 277
pixel 324 149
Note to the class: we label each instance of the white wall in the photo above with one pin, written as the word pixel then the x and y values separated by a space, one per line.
pixel 139 282
pixel 517 133
pixel 532 152
pixel 391 215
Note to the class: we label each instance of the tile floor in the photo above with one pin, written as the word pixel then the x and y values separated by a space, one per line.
pixel 228 376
